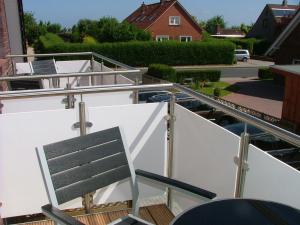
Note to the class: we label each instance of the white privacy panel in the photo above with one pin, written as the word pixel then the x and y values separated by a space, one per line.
pixel 203 156
pixel 33 104
pixel 145 130
pixel 106 99
pixel 73 66
pixel 22 189
pixel 56 102
pixel 271 179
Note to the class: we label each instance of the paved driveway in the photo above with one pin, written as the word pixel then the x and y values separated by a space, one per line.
pixel 263 96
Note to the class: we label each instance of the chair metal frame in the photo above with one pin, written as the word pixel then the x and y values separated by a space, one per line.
pixel 51 211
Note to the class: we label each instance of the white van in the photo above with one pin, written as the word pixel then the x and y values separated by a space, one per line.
pixel 242 55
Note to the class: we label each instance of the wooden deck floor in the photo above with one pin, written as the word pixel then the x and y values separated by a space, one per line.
pixel 156 214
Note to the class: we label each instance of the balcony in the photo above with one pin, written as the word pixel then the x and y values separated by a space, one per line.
pixel 163 138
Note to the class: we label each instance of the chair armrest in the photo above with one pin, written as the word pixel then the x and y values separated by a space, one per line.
pixel 181 186
pixel 58 216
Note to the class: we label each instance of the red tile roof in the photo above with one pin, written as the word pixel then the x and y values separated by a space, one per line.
pixel 145 15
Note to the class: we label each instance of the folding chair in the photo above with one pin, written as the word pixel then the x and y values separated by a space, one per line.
pixel 81 165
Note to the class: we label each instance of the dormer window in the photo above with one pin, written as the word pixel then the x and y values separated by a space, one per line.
pixel 174 20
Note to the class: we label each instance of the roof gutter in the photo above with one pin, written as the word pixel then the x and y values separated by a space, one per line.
pixel 284 35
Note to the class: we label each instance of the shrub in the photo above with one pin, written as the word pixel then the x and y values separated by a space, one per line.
pixel 161 71
pixel 199 75
pixel 89 40
pixel 265 73
pixel 140 53
pixel 217 92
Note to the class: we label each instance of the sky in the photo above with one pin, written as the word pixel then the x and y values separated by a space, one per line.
pixel 68 12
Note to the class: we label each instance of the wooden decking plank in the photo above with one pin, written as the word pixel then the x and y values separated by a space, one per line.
pixel 117 214
pixel 94 219
pixel 161 214
pixel 145 214
pixel 102 218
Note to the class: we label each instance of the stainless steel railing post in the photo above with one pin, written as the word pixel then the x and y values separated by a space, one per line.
pixel 88 198
pixel 171 145
pixel 136 93
pixel 93 78
pixel 242 164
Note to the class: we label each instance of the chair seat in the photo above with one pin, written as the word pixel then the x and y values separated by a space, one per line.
pixel 130 219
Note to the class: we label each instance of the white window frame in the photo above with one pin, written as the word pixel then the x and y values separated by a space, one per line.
pixel 296 61
pixel 174 20
pixel 162 37
pixel 186 38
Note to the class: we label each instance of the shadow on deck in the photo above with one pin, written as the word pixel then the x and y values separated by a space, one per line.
pixel 156 214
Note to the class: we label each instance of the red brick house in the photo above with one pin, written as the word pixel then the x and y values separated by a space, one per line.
pixel 286 48
pixel 273 20
pixel 4 44
pixel 166 20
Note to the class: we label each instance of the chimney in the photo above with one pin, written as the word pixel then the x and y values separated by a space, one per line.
pixel 284 2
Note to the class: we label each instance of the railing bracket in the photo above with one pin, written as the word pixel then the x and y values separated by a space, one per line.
pixel 87 124
pixel 236 160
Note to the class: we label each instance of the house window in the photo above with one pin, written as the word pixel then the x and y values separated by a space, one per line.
pixel 174 20
pixel 296 61
pixel 162 37
pixel 185 38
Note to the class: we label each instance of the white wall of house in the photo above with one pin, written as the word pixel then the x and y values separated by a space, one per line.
pixel 14 27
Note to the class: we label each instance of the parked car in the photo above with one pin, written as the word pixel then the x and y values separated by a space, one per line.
pixel 145 95
pixel 279 149
pixel 242 55
pixel 197 107
pixel 259 138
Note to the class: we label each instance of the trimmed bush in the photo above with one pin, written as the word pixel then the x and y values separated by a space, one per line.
pixel 199 75
pixel 161 71
pixel 151 52
pixel 217 92
pixel 89 40
pixel 265 74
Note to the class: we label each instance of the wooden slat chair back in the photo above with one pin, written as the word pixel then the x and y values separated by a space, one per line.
pixel 78 166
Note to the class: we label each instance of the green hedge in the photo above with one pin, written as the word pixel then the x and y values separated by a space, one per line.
pixel 265 74
pixel 151 52
pixel 162 71
pixel 199 75
pixel 166 72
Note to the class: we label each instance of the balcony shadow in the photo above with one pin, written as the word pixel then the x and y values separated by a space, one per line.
pixel 258 88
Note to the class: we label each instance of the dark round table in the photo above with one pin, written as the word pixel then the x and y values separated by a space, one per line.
pixel 239 212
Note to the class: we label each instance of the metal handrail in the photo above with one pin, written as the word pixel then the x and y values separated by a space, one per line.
pixel 10 95
pixel 277 131
pixel 270 128
pixel 113 61
pixel 75 54
pixel 50 54
pixel 65 75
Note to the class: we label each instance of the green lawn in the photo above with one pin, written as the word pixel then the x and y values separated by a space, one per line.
pixel 208 89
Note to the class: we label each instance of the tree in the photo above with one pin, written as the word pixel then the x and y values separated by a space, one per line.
pixel 34 29
pixel 202 24
pixel 31 28
pixel 108 29
pixel 246 28
pixel 211 24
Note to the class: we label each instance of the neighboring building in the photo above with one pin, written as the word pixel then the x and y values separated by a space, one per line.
pixel 286 48
pixel 11 32
pixel 272 21
pixel 166 20
pixel 228 33
pixel 291 101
